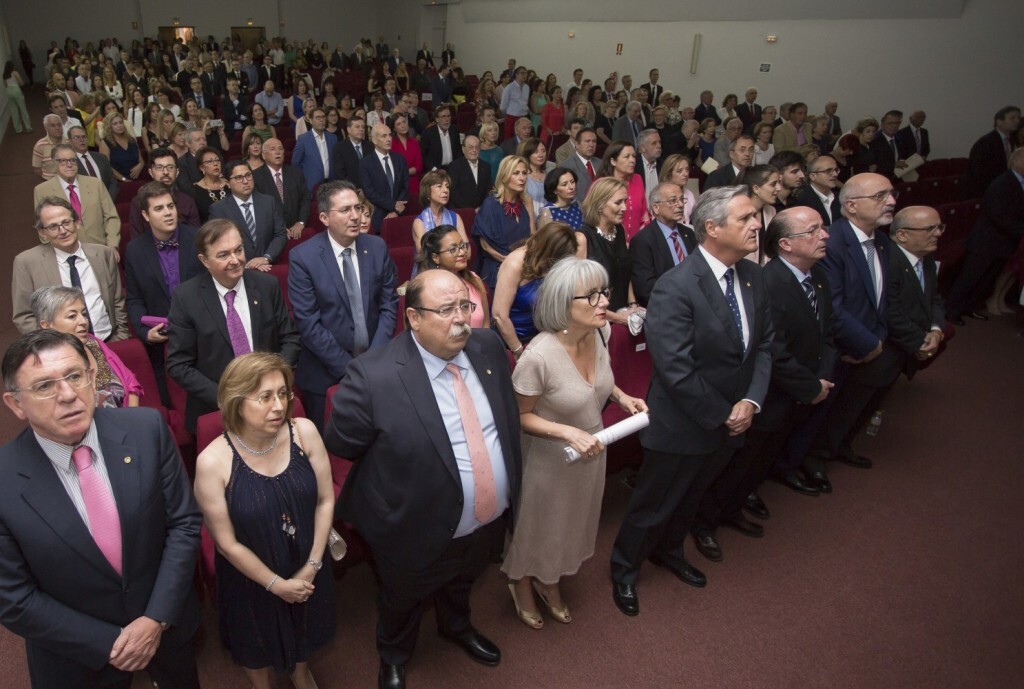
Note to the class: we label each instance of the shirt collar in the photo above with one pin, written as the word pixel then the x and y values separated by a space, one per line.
pixel 861 234
pixel 797 273
pixel 914 260
pixel 338 248
pixel 60 454
pixel 239 289
pixel 717 267
pixel 435 365
pixel 62 256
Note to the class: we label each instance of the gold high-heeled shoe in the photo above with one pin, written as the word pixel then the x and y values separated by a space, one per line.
pixel 532 620
pixel 561 614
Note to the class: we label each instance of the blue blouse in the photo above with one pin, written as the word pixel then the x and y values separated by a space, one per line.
pixel 571 215
pixel 501 232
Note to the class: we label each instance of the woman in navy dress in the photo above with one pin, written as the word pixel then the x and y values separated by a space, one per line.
pixel 265 490
pixel 505 218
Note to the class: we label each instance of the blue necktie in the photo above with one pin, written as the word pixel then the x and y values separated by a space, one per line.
pixel 919 269
pixel 730 298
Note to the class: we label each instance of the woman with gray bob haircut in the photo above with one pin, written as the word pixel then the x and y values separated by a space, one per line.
pixel 562 382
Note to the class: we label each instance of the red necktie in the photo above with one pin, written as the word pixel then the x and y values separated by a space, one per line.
pixel 483 473
pixel 590 171
pixel 680 252
pixel 76 202
pixel 88 165
pixel 104 522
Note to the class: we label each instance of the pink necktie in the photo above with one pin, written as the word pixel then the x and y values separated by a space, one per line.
pixel 104 523
pixel 483 472
pixel 76 202
pixel 680 252
pixel 236 331
pixel 280 184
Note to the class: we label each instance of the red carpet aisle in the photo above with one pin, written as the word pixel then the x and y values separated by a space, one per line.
pixel 907 576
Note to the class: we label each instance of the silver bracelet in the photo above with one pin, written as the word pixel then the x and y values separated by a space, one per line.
pixel 272 582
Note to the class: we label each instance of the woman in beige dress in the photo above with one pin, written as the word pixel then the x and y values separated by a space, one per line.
pixel 562 382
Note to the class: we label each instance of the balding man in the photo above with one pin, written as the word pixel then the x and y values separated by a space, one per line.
pixel 835 128
pixel 749 111
pixel 287 184
pixel 663 244
pixel 914 137
pixel 470 176
pixel 42 162
pixel 272 102
pixel 523 131
pixel 916 315
pixel 385 178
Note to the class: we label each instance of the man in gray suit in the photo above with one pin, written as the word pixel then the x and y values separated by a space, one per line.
pixel 628 127
pixel 705 390
pixel 583 161
pixel 257 216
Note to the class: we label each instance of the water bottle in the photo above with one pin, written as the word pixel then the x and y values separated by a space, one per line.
pixel 875 423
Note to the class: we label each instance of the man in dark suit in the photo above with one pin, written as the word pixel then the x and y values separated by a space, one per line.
pixel 204 98
pixel 163 168
pixel 914 137
pixel 885 148
pixel 238 74
pixel 705 389
pixel 287 184
pixel 233 109
pixel 441 143
pixel 441 86
pixel 990 155
pixel 385 178
pixel 523 131
pixel 187 171
pixel 749 111
pixel 706 108
pixel 856 265
pixel 648 157
pixel 382 48
pixel 256 215
pixel 208 326
pixel 916 315
pixel 820 193
pixel 324 275
pixel 348 153
pixel 741 154
pixel 212 82
pixel 425 54
pixel 92 163
pixel 996 235
pixel 583 161
pixel 663 244
pixel 802 361
pixel 407 404
pixel 835 127
pixel 312 152
pixel 155 262
pixel 653 88
pixel 470 176
pixel 100 529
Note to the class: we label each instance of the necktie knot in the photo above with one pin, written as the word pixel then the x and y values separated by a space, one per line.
pixel 230 298
pixel 82 457
pixel 71 260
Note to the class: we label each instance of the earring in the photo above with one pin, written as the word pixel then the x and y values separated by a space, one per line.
pixel 565 332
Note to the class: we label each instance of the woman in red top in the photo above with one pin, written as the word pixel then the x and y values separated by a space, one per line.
pixel 409 148
pixel 552 116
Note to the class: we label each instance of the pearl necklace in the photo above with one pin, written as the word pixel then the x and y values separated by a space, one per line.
pixel 256 452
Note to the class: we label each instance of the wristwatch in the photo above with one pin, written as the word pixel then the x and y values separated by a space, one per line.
pixel 267 256
pixel 164 626
pixel 317 564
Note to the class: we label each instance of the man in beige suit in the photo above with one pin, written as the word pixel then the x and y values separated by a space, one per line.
pixel 99 221
pixel 795 133
pixel 64 260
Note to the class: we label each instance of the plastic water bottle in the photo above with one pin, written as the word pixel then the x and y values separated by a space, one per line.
pixel 875 423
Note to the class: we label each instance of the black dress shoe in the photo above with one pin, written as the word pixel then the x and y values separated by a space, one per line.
pixel 708 546
pixel 626 599
pixel 956 320
pixel 792 480
pixel 744 526
pixel 820 481
pixel 756 507
pixel 848 458
pixel 391 676
pixel 476 645
pixel 688 574
pixel 977 315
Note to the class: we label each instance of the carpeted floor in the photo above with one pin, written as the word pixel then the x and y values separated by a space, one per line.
pixel 908 576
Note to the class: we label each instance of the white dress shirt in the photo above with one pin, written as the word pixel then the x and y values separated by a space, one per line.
pixel 337 250
pixel 446 145
pixel 102 324
pixel 719 269
pixel 826 201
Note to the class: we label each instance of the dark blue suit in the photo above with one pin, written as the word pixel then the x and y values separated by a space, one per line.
pixel 324 317
pixel 306 157
pixel 375 184
pixel 271 233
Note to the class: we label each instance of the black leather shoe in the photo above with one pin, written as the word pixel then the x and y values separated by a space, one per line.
pixel 744 526
pixel 476 645
pixel 978 316
pixel 626 599
pixel 793 480
pixel 688 574
pixel 708 546
pixel 756 507
pixel 848 458
pixel 956 320
pixel 820 481
pixel 391 676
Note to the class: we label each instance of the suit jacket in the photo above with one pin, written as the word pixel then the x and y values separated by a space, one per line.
pixel 441 89
pixel 375 184
pixel 213 85
pixel 698 378
pixel 37 267
pixel 199 347
pixel 446 57
pixel 345 162
pixel 322 311
pixel 574 163
pixel 233 114
pixel 430 143
pixel 103 169
pixel 188 214
pixel 913 309
pixel 427 55
pixel 404 493
pixel 784 138
pixel 722 177
pixel 100 222
pixel 467 192
pixel 907 146
pixel 297 199
pixel 267 74
pixel 656 91
pixel 807 197
pixel 653 257
pixel 306 157
pixel 57 590
pixel 803 351
pixel 271 233
pixel 510 145
pixel 749 115
pixel 339 60
pixel 188 175
pixel 622 130
pixel 702 112
pixel 1000 228
pixel 837 128
pixel 147 293
pixel 885 158
pixel 986 161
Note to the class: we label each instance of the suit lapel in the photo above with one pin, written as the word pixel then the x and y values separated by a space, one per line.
pixel 243 229
pixel 365 271
pixel 861 262
pixel 254 295
pixel 713 293
pixel 151 258
pixel 122 461
pixel 210 299
pixel 331 266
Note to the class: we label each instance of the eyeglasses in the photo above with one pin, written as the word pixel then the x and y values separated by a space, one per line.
pixel 466 308
pixel 247 177
pixel 66 161
pixel 673 201
pixel 455 248
pixel 940 228
pixel 267 397
pixel 208 161
pixel 48 389
pixel 594 298
pixel 826 171
pixel 880 197
pixel 814 233
pixel 166 168
pixel 78 137
pixel 56 227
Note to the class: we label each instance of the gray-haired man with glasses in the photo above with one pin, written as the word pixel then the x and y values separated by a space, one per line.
pixel 90 199
pixel 820 194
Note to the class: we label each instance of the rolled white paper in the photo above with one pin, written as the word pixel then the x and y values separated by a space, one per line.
pixel 618 431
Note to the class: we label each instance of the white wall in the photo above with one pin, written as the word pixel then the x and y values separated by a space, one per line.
pixel 960 71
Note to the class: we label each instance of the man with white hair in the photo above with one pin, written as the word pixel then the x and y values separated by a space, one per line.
pixel 628 127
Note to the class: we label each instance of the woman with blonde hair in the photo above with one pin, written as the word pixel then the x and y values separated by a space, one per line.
pixel 121 148
pixel 676 169
pixel 490 152
pixel 504 218
pixel 603 239
pixel 620 162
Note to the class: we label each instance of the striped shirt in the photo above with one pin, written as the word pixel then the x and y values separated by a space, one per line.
pixel 60 456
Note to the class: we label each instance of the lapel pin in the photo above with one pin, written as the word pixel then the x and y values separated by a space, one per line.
pixel 127 460
pixel 256 302
pixel 748 284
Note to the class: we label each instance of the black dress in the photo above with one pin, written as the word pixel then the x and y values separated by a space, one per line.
pixel 614 256
pixel 205 198
pixel 274 517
